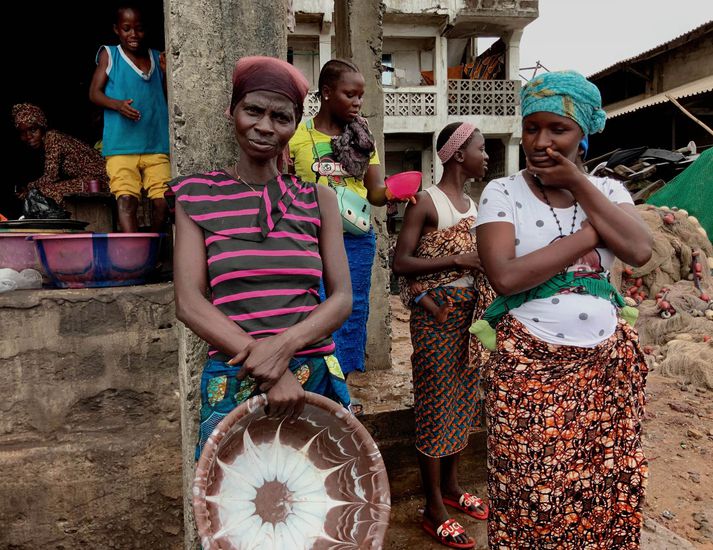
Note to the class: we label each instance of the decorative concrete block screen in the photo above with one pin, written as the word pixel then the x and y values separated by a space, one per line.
pixel 483 97
pixel 412 103
pixel 402 103
pixel 311 105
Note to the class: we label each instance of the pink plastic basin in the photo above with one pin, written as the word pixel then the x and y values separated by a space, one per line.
pixel 404 184
pixel 83 260
pixel 17 251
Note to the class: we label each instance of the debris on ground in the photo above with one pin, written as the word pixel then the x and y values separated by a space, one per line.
pixel 643 170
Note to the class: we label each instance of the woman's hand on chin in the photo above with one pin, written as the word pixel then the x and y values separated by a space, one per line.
pixel 562 173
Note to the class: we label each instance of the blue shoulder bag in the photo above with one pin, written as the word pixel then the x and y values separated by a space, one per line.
pixel 355 210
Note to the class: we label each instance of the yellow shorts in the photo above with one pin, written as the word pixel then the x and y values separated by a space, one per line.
pixel 128 174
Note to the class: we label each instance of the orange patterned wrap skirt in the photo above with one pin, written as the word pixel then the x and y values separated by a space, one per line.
pixel 566 468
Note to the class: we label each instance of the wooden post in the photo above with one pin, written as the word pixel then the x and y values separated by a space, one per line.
pixel 689 115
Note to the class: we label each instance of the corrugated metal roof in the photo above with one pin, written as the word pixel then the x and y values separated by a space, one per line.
pixel 653 51
pixel 692 88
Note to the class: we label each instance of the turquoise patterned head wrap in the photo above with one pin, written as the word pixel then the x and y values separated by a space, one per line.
pixel 565 93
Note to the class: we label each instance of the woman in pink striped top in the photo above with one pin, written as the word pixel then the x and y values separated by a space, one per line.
pixel 260 241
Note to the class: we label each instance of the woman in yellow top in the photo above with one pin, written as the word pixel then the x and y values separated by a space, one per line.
pixel 336 148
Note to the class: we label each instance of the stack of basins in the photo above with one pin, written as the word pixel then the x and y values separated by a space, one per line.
pixel 67 257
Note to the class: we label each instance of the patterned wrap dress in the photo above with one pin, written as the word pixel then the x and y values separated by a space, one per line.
pixel 446 360
pixel 566 468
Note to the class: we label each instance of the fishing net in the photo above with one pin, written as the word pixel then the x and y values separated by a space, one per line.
pixel 674 244
pixel 691 190
pixel 677 344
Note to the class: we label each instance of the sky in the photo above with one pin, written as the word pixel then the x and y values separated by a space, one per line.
pixel 590 35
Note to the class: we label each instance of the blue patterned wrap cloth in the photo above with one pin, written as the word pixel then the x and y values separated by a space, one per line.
pixel 568 94
pixel 221 391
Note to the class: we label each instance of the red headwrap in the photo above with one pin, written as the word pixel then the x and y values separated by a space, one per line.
pixel 271 74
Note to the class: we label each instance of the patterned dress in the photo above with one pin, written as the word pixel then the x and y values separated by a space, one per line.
pixel 566 469
pixel 446 360
pixel 69 165
pixel 564 397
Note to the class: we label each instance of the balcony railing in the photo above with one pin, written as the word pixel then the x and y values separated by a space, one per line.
pixel 483 97
pixel 311 105
pixel 409 102
pixel 465 98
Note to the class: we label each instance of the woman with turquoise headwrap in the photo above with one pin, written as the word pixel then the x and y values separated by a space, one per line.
pixel 565 382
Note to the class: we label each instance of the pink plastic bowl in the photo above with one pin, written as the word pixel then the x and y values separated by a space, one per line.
pixel 17 251
pixel 83 260
pixel 404 184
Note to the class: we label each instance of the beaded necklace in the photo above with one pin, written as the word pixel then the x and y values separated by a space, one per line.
pixel 541 187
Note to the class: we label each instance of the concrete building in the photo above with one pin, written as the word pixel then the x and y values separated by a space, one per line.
pixel 635 94
pixel 428 48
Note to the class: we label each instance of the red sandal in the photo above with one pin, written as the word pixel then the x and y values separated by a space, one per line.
pixel 465 502
pixel 446 532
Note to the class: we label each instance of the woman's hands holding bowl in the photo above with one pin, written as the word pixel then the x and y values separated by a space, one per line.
pixel 267 361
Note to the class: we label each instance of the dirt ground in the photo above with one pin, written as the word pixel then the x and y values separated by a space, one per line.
pixel 677 437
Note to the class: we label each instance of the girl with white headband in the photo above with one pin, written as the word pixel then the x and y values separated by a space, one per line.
pixel 439 270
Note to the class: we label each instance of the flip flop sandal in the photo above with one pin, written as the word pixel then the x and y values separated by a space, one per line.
pixel 464 503
pixel 446 532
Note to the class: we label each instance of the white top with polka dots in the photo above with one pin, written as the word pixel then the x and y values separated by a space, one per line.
pixel 566 319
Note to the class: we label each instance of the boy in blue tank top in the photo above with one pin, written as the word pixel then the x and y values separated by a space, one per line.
pixel 129 83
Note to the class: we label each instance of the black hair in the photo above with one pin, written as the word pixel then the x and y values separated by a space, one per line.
pixel 332 72
pixel 126 6
pixel 447 132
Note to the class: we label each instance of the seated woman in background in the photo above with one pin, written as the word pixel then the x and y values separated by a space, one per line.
pixel 68 163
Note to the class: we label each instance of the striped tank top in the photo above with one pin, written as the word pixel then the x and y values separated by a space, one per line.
pixel 262 248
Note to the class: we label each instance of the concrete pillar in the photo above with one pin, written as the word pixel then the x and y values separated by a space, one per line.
pixel 440 72
pixel 512 154
pixel 512 57
pixel 325 32
pixel 204 38
pixel 512 70
pixel 437 166
pixel 359 37
pixel 325 48
pixel 426 162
